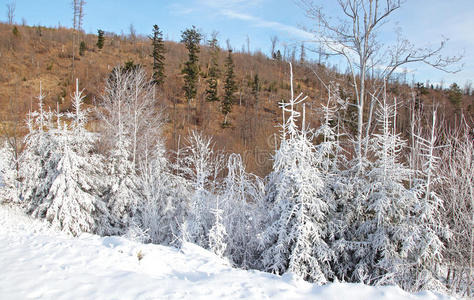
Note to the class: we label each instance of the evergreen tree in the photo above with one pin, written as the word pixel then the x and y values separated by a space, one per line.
pixel 383 230
pixel 191 39
pixel 229 88
pixel 82 48
pixel 74 202
pixel 294 237
pixel 9 184
pixel 256 88
pixel 158 56
pixel 213 72
pixel 38 158
pixel 63 181
pixel 100 38
pixel 455 95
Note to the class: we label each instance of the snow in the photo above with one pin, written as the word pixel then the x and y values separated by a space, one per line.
pixel 38 262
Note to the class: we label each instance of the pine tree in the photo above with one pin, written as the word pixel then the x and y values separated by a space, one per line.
pixel 455 95
pixel 100 38
pixel 213 72
pixel 158 56
pixel 383 230
pixel 82 48
pixel 294 238
pixel 74 199
pixel 256 88
pixel 191 39
pixel 229 88
pixel 38 158
pixel 64 182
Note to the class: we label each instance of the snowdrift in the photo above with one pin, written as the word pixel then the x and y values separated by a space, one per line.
pixel 40 263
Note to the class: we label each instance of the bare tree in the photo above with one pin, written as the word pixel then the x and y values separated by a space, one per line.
pixel 274 40
pixel 247 40
pixel 354 36
pixel 133 33
pixel 302 54
pixel 80 18
pixel 458 192
pixel 11 6
pixel 78 14
pixel 468 87
pixel 128 113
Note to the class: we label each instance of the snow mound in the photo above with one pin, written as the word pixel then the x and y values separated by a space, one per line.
pixel 40 263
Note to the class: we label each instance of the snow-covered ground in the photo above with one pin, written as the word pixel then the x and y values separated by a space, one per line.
pixel 37 262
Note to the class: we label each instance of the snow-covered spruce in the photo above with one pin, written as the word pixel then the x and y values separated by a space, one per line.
pixel 9 184
pixel 294 240
pixel 68 189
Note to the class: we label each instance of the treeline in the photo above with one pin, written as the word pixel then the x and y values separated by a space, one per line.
pixel 399 214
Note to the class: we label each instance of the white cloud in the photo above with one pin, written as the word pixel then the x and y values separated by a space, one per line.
pixel 258 22
pixel 179 10
pixel 230 4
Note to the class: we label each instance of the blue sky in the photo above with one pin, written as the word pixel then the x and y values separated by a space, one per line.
pixel 424 22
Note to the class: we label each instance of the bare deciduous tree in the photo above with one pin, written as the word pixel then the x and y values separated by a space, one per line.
pixel 11 6
pixel 274 40
pixel 128 113
pixel 78 13
pixel 354 36
pixel 458 192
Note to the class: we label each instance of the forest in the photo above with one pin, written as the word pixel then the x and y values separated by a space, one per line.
pixel 277 162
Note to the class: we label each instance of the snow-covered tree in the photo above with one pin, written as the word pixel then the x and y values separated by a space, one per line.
pixel 241 193
pixel 457 190
pixel 127 111
pixel 384 231
pixel 129 131
pixel 71 186
pixel 38 159
pixel 9 184
pixel 165 197
pixel 74 202
pixel 201 165
pixel 123 195
pixel 294 239
pixel 217 233
pixel 427 228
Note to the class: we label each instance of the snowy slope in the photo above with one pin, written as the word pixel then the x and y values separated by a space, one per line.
pixel 38 263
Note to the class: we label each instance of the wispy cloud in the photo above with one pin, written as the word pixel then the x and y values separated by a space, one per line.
pixel 180 10
pixel 230 4
pixel 259 22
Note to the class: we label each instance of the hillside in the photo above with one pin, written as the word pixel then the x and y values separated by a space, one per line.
pixel 30 55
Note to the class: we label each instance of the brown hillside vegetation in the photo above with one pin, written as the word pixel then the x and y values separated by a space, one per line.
pixel 30 55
